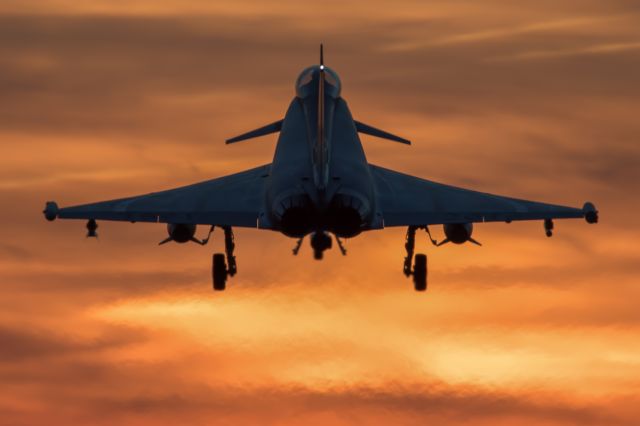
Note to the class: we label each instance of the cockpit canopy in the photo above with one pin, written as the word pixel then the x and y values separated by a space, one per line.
pixel 308 82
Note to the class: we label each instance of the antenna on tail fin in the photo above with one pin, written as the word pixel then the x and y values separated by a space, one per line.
pixel 320 150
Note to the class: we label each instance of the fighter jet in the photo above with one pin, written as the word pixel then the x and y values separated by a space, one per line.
pixel 320 185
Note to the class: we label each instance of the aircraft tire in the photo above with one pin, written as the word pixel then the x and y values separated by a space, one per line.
pixel 219 272
pixel 420 272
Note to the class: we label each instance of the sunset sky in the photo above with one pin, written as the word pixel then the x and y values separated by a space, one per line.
pixel 104 99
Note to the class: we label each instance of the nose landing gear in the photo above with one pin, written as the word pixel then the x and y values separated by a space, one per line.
pixel 320 242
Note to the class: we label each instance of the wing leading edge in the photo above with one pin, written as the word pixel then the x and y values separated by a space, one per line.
pixel 234 200
pixel 406 200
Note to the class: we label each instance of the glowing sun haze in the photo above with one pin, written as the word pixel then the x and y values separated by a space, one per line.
pixel 106 99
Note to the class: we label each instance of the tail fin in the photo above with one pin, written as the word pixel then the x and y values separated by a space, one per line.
pixel 321 148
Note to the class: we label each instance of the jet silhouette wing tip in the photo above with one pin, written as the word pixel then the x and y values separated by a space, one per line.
pixel 233 200
pixel 408 200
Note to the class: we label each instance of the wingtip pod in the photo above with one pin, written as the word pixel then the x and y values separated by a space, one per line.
pixel 590 212
pixel 51 211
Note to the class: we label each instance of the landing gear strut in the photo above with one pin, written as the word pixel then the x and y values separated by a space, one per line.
pixel 229 247
pixel 224 264
pixel 409 245
pixel 419 270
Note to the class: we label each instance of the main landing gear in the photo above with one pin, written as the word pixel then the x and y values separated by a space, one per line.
pixel 419 270
pixel 224 264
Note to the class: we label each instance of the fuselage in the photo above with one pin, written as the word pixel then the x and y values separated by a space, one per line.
pixel 320 179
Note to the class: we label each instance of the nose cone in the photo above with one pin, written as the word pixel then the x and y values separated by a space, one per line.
pixel 307 82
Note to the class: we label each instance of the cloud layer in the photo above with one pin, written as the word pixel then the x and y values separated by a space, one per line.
pixel 536 100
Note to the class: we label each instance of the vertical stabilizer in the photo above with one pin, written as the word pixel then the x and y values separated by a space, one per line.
pixel 321 143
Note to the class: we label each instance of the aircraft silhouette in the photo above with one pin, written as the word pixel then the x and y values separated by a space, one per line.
pixel 319 184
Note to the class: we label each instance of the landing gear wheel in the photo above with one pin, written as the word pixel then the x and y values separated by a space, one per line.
pixel 420 272
pixel 219 272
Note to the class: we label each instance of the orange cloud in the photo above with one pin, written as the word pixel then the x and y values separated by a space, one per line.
pixel 102 100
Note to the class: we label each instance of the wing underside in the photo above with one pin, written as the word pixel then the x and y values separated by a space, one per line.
pixel 234 200
pixel 407 200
